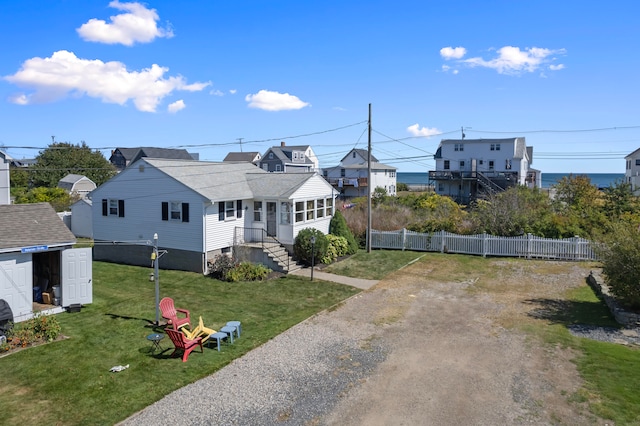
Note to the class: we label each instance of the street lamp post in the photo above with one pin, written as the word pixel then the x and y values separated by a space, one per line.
pixel 156 277
pixel 313 254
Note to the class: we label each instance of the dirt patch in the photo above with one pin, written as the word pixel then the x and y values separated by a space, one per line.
pixel 458 355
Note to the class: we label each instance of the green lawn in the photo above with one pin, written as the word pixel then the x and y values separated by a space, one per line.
pixel 374 265
pixel 68 381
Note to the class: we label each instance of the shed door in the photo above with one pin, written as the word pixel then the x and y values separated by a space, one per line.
pixel 77 276
pixel 16 283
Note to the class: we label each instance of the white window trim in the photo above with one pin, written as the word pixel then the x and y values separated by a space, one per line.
pixel 178 211
pixel 229 213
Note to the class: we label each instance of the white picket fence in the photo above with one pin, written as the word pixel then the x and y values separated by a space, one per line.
pixel 527 246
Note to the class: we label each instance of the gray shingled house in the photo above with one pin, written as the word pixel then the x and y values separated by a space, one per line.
pixel 122 157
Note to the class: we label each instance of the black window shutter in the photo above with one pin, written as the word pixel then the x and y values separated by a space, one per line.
pixel 120 208
pixel 239 209
pixel 221 210
pixel 165 210
pixel 105 207
pixel 185 212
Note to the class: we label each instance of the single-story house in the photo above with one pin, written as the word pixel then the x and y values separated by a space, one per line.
pixel 201 209
pixel 37 258
pixel 81 218
pixel 77 184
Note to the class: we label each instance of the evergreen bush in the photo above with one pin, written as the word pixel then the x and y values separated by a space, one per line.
pixel 302 248
pixel 338 227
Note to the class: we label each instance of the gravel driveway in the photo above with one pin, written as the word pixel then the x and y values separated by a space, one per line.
pixel 409 351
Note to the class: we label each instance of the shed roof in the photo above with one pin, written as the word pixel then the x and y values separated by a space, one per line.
pixel 27 225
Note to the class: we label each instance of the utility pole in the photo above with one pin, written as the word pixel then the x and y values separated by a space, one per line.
pixel 240 140
pixel 462 131
pixel 369 188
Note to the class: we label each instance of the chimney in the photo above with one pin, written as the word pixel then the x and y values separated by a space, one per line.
pixel 282 144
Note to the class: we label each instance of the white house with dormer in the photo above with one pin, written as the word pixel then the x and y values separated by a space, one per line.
pixel 467 169
pixel 350 177
pixel 632 171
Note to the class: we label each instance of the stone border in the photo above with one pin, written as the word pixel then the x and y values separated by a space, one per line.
pixel 626 318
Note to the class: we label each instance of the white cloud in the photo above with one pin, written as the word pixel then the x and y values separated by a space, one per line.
pixel 274 101
pixel 176 106
pixel 415 130
pixel 337 108
pixel 556 67
pixel 19 99
pixel 453 52
pixel 137 25
pixel 512 60
pixel 233 91
pixel 64 74
pixel 216 92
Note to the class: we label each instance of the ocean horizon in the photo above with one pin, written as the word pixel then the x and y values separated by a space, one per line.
pixel 601 180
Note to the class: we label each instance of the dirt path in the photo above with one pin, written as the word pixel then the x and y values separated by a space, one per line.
pixel 453 361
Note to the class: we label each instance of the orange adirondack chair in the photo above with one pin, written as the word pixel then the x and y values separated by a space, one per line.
pixel 170 313
pixel 183 344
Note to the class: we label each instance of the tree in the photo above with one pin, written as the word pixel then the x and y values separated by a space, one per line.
pixel 516 211
pixel 338 227
pixel 62 158
pixel 619 251
pixel 306 252
pixel 580 203
pixel 59 199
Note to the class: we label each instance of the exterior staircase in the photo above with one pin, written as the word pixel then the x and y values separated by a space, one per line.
pixel 280 256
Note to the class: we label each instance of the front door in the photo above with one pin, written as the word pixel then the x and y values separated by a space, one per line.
pixel 271 219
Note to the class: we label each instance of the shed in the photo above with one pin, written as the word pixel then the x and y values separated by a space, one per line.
pixel 77 184
pixel 81 220
pixel 37 258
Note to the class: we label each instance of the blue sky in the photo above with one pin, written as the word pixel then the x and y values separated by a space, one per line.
pixel 215 77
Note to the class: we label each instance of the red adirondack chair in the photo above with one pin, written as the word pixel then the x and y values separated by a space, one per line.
pixel 170 313
pixel 183 344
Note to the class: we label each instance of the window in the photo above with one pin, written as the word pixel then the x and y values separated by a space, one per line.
pixel 325 173
pixel 446 164
pixel 462 164
pixel 507 164
pixel 175 211
pixel 440 187
pixel 493 147
pixel 481 162
pixel 353 154
pixel 229 210
pixel 271 156
pixel 285 213
pixel 458 147
pixel 278 168
pixel 638 162
pixel 497 147
pixel 310 209
pixel 257 211
pixel 491 165
pixel 342 173
pixel 113 207
pixel 320 208
pixel 295 155
pixel 299 211
pixel 329 205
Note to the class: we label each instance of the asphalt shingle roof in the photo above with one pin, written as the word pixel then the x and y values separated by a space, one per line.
pixel 26 225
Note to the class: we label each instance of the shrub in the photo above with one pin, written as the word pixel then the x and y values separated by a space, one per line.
pixel 40 328
pixel 339 228
pixel 302 249
pixel 247 271
pixel 402 186
pixel 220 266
pixel 337 246
pixel 619 251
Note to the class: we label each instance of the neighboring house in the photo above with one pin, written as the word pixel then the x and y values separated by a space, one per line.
pixel 82 218
pixel 36 257
pixel 247 157
pixel 77 185
pixel 5 184
pixel 202 209
pixel 289 159
pixel 632 171
pixel 468 169
pixel 123 157
pixel 350 178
